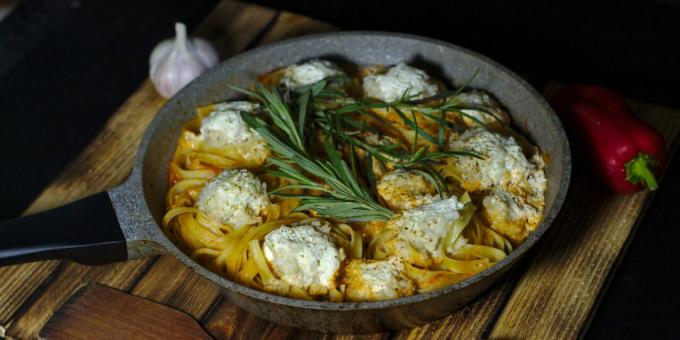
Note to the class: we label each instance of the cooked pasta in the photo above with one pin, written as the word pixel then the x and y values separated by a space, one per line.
pixel 364 200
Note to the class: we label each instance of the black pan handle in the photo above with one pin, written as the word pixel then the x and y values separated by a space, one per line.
pixel 85 231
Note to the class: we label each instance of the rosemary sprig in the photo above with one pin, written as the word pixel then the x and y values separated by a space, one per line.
pixel 293 116
pixel 343 197
pixel 421 159
pixel 279 113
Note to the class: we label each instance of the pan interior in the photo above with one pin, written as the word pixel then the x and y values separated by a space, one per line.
pixel 446 62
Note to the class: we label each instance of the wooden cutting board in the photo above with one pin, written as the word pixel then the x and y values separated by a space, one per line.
pixel 98 312
pixel 550 295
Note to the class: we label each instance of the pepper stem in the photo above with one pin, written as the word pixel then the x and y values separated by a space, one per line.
pixel 638 170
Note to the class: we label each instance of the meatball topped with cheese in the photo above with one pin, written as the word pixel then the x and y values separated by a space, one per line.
pixel 372 280
pixel 510 215
pixel 303 254
pixel 308 73
pixel 235 197
pixel 424 229
pixel 404 189
pixel 224 131
pixel 502 164
pixel 398 81
pixel 514 186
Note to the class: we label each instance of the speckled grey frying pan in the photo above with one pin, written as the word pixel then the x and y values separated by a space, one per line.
pixel 124 222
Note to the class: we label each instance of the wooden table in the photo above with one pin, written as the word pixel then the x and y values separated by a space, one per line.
pixel 551 294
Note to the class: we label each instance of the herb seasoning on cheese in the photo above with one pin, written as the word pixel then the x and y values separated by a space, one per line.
pixel 235 197
pixel 308 73
pixel 401 80
pixel 303 254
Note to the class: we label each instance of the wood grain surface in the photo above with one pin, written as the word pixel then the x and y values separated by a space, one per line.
pixel 550 295
pixel 98 312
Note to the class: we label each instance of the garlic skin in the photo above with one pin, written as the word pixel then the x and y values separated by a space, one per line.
pixel 176 62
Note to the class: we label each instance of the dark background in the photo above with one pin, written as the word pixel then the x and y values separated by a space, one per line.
pixel 65 67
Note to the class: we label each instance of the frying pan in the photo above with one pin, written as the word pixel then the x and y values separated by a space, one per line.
pixel 123 223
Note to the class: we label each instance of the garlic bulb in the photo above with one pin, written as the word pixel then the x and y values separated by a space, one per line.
pixel 176 62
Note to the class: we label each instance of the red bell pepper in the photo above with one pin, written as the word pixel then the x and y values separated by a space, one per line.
pixel 627 152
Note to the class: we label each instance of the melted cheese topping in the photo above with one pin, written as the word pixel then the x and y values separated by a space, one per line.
pixel 371 280
pixel 235 197
pixel 510 215
pixel 399 80
pixel 224 128
pixel 308 73
pixel 482 99
pixel 503 165
pixel 424 229
pixel 515 186
pixel 303 254
pixel 402 190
